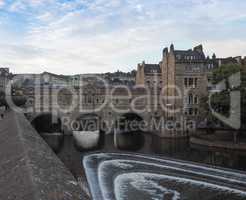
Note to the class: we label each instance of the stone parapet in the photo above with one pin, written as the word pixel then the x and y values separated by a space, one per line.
pixel 29 169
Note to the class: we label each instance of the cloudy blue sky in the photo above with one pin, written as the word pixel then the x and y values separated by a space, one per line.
pixel 82 36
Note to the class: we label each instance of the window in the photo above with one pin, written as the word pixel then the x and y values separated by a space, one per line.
pixel 190 99
pixel 186 82
pixel 190 81
pixel 89 100
pixel 196 80
pixel 190 111
pixel 196 111
pixel 196 99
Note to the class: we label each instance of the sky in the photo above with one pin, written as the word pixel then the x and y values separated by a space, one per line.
pixel 94 36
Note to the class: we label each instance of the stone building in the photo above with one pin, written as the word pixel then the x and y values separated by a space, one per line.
pixel 187 71
pixel 182 77
pixel 5 77
pixel 217 62
pixel 149 75
pixel 120 78
pixel 54 80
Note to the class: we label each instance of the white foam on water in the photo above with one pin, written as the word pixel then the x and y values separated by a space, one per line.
pixel 162 166
pixel 148 182
pixel 92 176
pixel 98 178
pixel 232 174
pixel 145 183
pixel 122 165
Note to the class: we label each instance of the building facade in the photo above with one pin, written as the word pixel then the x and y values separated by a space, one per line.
pixel 184 75
pixel 120 78
pixel 182 78
pixel 149 75
pixel 5 77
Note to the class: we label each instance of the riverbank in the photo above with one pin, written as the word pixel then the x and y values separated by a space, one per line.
pixel 221 140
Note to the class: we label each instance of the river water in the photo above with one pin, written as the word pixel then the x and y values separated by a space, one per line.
pixel 149 145
pixel 153 145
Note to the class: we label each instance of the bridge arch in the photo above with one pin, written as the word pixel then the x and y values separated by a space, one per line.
pixel 128 133
pixel 87 132
pixel 86 122
pixel 46 122
pixel 49 127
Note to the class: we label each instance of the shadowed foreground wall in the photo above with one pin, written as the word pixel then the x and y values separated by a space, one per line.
pixel 28 167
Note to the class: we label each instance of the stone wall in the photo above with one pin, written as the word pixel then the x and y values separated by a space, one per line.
pixel 28 167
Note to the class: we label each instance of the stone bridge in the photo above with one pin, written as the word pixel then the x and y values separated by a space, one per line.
pixel 109 105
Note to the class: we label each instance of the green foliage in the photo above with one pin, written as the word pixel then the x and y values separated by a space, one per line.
pixel 220 102
pixel 224 72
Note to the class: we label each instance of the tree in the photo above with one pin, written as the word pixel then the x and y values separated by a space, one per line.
pixel 220 101
pixel 224 72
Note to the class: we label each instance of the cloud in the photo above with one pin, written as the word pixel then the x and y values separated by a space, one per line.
pixel 226 48
pixel 23 5
pixel 2 3
pixel 81 36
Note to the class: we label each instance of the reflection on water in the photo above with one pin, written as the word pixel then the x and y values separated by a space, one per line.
pixel 90 143
pixel 131 141
pixel 54 140
pixel 169 147
pixel 175 148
